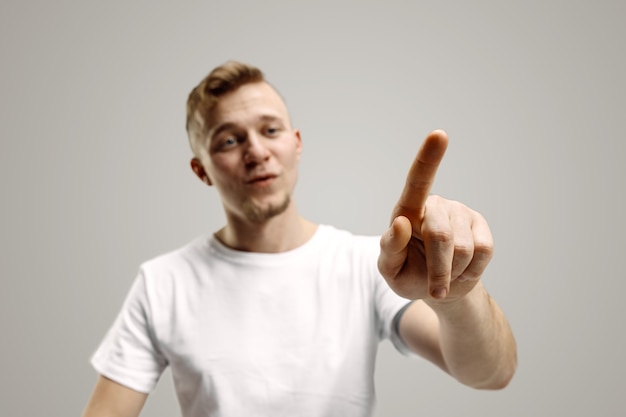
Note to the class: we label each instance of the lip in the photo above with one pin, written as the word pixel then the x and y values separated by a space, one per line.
pixel 261 179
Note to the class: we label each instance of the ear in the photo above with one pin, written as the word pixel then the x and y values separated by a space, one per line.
pixel 198 169
pixel 296 133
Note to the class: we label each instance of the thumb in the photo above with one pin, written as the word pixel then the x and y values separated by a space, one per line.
pixel 394 247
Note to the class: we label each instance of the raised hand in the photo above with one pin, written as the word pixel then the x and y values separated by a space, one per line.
pixel 435 248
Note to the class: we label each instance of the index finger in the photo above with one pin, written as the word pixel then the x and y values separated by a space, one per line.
pixel 421 177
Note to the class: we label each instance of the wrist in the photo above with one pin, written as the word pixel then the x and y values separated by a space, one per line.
pixel 459 304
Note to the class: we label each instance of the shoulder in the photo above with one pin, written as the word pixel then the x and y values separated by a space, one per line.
pixel 355 254
pixel 181 260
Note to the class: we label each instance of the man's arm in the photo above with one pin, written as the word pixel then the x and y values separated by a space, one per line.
pixel 110 399
pixel 436 251
pixel 470 339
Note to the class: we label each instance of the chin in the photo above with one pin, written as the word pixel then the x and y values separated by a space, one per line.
pixel 259 213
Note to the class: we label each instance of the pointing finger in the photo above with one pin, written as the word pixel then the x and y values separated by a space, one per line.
pixel 421 177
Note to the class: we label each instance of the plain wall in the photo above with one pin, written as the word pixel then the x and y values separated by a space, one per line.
pixel 95 177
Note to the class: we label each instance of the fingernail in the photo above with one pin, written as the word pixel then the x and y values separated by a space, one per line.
pixel 439 293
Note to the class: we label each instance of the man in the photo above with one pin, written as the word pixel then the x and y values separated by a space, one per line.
pixel 275 315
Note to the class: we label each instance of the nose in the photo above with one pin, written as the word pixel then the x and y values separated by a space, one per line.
pixel 256 151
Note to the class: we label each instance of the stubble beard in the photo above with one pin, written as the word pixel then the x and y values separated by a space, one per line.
pixel 258 214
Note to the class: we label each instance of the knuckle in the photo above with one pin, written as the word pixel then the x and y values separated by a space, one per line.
pixel 439 277
pixel 384 241
pixel 483 250
pixel 434 198
pixel 438 235
pixel 464 249
pixel 469 276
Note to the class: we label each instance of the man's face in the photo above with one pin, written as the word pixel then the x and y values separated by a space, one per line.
pixel 250 153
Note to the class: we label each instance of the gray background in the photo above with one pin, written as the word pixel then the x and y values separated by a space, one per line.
pixel 95 178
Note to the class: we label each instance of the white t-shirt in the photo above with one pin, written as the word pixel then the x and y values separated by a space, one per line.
pixel 286 334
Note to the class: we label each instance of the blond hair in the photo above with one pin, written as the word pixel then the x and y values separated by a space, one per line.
pixel 203 98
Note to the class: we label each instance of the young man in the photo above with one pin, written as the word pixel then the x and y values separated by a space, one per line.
pixel 275 315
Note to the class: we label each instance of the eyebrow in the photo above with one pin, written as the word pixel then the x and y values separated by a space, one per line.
pixel 219 129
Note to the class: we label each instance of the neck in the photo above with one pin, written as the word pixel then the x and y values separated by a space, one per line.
pixel 281 233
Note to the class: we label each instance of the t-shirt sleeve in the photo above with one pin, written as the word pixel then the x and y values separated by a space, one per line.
pixel 390 307
pixel 129 353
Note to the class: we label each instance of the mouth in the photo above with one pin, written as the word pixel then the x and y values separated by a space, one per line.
pixel 261 179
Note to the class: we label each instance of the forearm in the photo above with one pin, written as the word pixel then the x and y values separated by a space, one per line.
pixel 110 399
pixel 476 341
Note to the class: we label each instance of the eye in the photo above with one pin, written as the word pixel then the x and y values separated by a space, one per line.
pixel 229 141
pixel 272 131
pixel 226 142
